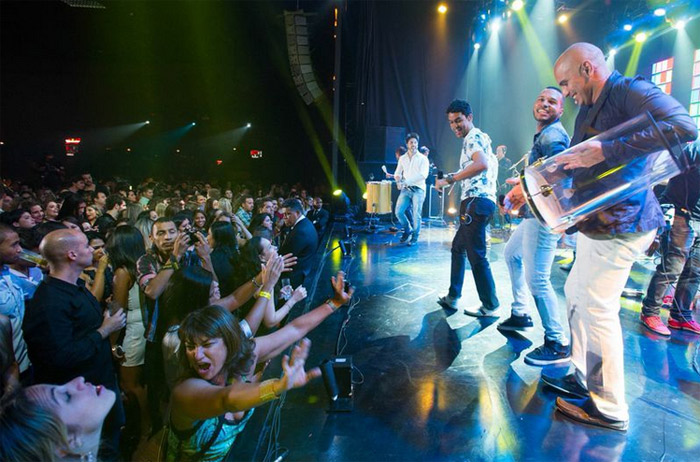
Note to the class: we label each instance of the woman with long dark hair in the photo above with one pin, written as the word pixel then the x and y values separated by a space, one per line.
pixel 124 248
pixel 222 239
pixel 213 401
pixel 258 251
pixel 73 206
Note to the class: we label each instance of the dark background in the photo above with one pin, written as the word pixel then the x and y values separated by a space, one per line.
pixel 83 72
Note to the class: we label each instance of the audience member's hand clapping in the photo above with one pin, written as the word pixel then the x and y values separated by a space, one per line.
pixel 298 295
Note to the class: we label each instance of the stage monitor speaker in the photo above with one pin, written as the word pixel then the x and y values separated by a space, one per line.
pixel 337 378
pixel 299 56
pixel 381 143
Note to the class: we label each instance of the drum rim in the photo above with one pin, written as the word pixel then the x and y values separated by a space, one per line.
pixel 528 198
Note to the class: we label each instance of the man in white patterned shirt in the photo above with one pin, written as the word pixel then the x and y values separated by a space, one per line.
pixel 477 174
pixel 410 177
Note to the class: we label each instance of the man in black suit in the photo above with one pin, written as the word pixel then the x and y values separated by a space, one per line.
pixel 318 216
pixel 301 240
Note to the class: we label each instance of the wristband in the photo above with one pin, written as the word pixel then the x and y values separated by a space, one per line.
pixel 267 390
pixel 330 303
pixel 255 283
pixel 264 294
pixel 450 178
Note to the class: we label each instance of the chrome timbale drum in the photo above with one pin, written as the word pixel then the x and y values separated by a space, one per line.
pixel 378 197
pixel 637 156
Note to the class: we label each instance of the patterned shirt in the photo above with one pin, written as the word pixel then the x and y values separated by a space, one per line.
pixel 12 305
pixel 244 216
pixel 484 183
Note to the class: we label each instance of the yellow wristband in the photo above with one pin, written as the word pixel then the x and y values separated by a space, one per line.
pixel 264 294
pixel 267 390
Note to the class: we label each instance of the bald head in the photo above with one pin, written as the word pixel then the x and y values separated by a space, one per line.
pixel 62 246
pixel 581 72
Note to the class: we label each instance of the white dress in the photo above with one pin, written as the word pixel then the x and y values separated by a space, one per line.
pixel 134 341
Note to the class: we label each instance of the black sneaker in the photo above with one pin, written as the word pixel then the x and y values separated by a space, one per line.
pixel 549 353
pixel 517 323
pixel 568 384
pixel 405 236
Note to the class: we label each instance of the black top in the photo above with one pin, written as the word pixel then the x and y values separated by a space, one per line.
pixel 319 218
pixel 60 328
pixel 683 191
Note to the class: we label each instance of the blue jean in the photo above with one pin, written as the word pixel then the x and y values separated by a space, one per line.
pixel 681 264
pixel 470 242
pixel 529 255
pixel 410 197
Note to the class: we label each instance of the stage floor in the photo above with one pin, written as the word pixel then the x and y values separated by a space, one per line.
pixel 433 385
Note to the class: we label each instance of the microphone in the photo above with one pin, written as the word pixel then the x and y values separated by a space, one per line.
pixel 440 176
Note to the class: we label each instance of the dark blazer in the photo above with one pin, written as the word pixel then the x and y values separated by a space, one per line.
pixel 319 218
pixel 301 241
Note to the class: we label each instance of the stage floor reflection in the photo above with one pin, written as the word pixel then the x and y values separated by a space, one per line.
pixel 433 385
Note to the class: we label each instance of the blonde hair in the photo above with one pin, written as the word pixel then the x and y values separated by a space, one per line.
pixel 28 430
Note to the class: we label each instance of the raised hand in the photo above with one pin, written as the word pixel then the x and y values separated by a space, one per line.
pixel 294 374
pixel 340 297
pixel 298 295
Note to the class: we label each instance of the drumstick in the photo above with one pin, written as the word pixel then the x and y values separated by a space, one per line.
pixel 384 170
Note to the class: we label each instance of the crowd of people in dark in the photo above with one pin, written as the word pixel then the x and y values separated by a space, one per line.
pixel 142 315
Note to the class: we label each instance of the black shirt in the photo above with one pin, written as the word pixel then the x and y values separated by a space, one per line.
pixel 683 191
pixel 60 328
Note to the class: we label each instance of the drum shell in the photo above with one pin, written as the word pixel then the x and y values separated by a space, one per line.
pixel 378 197
pixel 561 198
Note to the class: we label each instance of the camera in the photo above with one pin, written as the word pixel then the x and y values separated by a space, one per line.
pixel 347 286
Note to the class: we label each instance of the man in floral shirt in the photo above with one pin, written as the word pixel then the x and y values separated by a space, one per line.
pixel 477 174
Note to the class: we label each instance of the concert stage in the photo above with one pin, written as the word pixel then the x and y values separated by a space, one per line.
pixel 433 385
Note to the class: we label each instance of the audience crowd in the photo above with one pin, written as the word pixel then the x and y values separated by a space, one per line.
pixel 134 315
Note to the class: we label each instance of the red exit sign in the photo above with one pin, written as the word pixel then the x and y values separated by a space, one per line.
pixel 256 153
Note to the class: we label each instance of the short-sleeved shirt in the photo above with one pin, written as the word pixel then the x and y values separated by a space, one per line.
pixel 483 184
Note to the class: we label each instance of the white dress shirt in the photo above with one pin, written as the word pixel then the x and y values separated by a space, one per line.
pixel 413 170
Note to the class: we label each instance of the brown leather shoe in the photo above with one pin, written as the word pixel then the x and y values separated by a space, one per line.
pixel 589 415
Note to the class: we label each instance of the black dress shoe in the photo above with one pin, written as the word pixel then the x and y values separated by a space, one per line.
pixel 404 237
pixel 588 414
pixel 568 384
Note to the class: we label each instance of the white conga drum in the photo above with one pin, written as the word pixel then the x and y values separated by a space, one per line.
pixel 637 156
pixel 378 197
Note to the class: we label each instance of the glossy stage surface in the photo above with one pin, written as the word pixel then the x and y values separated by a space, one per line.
pixel 433 385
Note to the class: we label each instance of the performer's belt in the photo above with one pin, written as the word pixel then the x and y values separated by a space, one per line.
pixel 414 188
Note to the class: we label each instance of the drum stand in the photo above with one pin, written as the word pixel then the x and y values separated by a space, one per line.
pixel 440 216
pixel 373 218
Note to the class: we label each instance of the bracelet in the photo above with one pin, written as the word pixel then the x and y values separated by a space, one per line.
pixel 255 283
pixel 450 178
pixel 267 390
pixel 264 294
pixel 330 303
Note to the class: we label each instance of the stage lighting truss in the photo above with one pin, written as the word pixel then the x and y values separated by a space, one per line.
pixel 84 4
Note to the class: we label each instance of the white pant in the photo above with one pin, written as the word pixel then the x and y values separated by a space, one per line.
pixel 593 291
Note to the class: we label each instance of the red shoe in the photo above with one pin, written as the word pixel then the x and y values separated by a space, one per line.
pixel 655 324
pixel 690 326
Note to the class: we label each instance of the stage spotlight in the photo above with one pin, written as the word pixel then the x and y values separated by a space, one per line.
pixel 451 211
pixel 477 45
pixel 612 52
pixel 337 192
pixel 627 27
pixel 364 196
pixel 496 25
pixel 640 37
pixel 442 8
pixel 563 18
pixel 517 5
pixel 148 122
pixel 193 123
pixel 248 125
pixel 679 25
pixel 660 12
